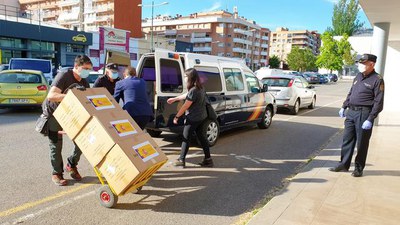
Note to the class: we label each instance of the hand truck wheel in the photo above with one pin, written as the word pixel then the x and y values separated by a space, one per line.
pixel 106 197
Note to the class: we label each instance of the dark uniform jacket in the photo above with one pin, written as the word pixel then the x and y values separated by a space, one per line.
pixel 366 91
pixel 104 81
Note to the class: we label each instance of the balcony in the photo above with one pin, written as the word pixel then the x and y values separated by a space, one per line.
pixel 263 61
pixel 241 31
pixel 170 32
pixel 241 41
pixel 200 40
pixel 264 46
pixel 68 3
pixel 49 15
pixel 264 53
pixel 265 38
pixel 241 50
pixel 300 37
pixel 202 49
pixel 100 9
pixel 102 18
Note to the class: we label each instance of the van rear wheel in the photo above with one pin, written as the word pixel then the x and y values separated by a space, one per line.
pixel 210 129
pixel 266 119
pixel 154 133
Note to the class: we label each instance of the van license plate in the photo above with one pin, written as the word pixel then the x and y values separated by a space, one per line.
pixel 19 100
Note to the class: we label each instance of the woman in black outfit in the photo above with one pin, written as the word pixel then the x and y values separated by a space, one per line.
pixel 195 112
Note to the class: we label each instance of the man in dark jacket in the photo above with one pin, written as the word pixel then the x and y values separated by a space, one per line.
pixel 132 90
pixel 109 79
pixel 365 102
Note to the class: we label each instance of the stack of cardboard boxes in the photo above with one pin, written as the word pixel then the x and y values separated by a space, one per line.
pixel 109 138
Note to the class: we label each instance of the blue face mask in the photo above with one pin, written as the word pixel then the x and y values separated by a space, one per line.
pixel 84 73
pixel 114 75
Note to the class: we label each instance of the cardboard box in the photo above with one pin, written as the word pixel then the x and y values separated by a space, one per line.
pixel 101 133
pixel 78 106
pixel 129 159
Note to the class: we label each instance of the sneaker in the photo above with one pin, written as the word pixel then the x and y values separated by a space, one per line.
pixel 207 163
pixel 73 172
pixel 59 180
pixel 180 162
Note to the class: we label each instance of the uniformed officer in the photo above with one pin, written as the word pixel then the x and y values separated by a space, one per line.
pixel 365 102
pixel 109 79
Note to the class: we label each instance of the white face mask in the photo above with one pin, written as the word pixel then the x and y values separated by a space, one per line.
pixel 362 68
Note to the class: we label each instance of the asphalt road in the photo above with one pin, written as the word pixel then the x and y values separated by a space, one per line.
pixel 249 164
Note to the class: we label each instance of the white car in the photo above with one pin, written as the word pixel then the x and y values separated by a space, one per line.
pixel 291 92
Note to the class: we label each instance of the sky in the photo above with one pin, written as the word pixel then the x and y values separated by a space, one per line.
pixel 293 14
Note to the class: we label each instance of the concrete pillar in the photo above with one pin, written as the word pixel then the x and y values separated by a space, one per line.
pixel 379 48
pixel 379 45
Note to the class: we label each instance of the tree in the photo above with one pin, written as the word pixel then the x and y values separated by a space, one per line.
pixel 344 19
pixel 274 62
pixel 344 49
pixel 329 57
pixel 301 59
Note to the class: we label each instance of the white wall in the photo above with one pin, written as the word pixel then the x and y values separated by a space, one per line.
pixel 391 109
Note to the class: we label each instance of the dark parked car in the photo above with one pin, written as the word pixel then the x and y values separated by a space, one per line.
pixel 311 78
pixel 322 79
pixel 333 77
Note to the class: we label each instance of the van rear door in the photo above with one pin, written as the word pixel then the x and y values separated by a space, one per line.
pixel 169 83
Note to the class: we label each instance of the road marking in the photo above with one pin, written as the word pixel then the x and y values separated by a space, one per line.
pixel 48 209
pixel 41 201
pixel 310 111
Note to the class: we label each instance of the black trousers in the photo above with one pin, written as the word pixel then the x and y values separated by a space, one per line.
pixel 354 136
pixel 141 121
pixel 188 130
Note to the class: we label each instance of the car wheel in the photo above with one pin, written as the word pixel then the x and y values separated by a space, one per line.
pixel 266 119
pixel 312 106
pixel 296 107
pixel 210 129
pixel 154 133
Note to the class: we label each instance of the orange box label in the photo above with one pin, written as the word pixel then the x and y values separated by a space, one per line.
pixel 100 102
pixel 146 151
pixel 123 127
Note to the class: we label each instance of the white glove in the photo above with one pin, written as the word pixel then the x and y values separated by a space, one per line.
pixel 342 113
pixel 366 125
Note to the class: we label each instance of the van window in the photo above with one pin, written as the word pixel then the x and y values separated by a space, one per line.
pixel 210 78
pixel 233 80
pixel 252 84
pixel 40 65
pixel 171 77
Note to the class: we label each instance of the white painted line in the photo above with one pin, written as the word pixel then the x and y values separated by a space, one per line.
pixel 48 209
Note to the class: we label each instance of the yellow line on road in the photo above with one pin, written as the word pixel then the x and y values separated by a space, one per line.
pixel 41 201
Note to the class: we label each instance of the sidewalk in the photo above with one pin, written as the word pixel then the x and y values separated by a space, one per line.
pixel 318 196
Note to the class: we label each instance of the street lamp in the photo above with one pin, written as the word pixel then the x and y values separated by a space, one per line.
pixel 152 18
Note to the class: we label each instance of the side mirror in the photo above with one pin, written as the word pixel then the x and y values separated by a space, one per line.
pixel 265 88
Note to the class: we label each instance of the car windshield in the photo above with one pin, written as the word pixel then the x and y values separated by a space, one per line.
pixel 276 82
pixel 20 78
pixel 40 65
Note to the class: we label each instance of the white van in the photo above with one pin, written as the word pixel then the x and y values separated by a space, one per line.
pixel 264 72
pixel 236 94
pixel 43 65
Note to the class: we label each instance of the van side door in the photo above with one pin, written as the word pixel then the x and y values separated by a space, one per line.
pixel 169 83
pixel 211 80
pixel 255 98
pixel 235 109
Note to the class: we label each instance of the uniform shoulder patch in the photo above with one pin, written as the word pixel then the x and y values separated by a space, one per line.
pixel 379 76
pixel 382 87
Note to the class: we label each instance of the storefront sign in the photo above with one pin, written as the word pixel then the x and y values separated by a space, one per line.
pixel 115 39
pixel 79 38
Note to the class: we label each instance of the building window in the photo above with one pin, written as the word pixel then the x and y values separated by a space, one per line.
pixel 72 48
pixel 228 44
pixel 44 46
pixel 221 45
pixel 11 42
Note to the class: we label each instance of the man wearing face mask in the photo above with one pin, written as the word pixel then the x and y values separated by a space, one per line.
pixel 109 79
pixel 364 102
pixel 60 85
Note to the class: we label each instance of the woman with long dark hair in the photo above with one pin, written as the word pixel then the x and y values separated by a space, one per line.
pixel 195 112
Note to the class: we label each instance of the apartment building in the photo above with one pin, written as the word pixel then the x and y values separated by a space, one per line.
pixel 216 33
pixel 283 40
pixel 87 15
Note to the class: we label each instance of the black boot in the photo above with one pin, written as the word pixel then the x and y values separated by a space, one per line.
pixel 207 163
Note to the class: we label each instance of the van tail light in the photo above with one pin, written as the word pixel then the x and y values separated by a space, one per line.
pixel 290 83
pixel 42 88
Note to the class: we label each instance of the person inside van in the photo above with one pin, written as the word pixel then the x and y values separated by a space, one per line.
pixel 109 79
pixel 195 112
pixel 132 90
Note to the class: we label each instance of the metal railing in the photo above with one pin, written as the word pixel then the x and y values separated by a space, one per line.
pixel 12 13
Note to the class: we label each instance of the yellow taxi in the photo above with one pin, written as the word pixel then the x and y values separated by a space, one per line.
pixel 22 88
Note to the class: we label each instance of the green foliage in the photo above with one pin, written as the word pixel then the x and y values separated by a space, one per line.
pixel 344 49
pixel 301 59
pixel 330 57
pixel 344 19
pixel 274 62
